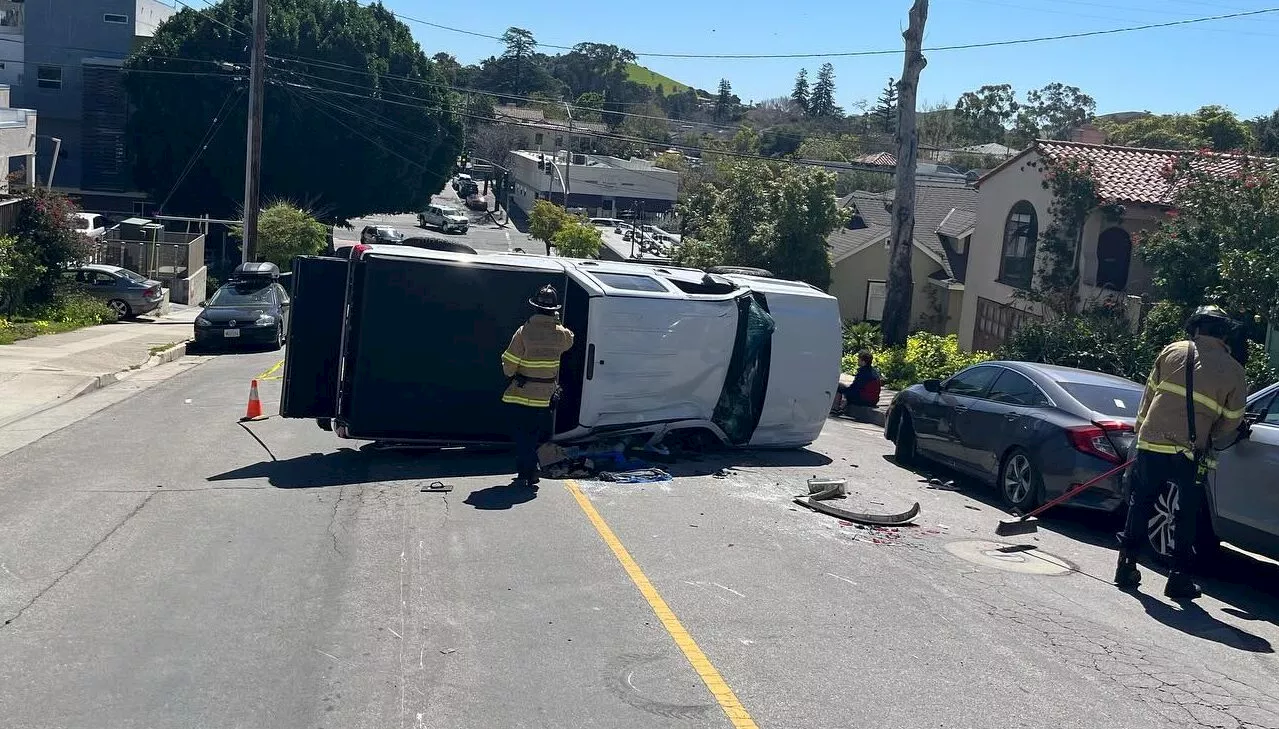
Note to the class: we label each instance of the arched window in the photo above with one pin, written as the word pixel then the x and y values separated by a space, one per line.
pixel 1114 251
pixel 1018 256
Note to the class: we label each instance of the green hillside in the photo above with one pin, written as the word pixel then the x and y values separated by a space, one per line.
pixel 644 76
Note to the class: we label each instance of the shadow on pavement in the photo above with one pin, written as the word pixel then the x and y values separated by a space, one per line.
pixel 503 496
pixel 348 466
pixel 1248 584
pixel 1193 620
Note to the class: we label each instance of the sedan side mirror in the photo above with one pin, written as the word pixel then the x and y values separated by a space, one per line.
pixel 934 386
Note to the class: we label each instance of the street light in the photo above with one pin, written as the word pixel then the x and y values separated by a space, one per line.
pixel 568 160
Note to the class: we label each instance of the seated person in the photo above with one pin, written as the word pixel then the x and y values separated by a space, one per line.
pixel 865 390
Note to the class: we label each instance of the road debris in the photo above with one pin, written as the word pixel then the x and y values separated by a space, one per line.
pixel 642 475
pixel 940 485
pixel 437 487
pixel 905 517
pixel 971 506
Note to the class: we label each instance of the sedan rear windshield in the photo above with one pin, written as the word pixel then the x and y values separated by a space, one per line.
pixel 131 275
pixel 1120 402
pixel 237 296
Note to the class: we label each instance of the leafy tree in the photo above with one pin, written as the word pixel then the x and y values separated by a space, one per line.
pixel 344 150
pixel 545 220
pixel 1266 134
pixel 1210 127
pixel 1052 112
pixel 577 239
pixel 781 141
pixel 936 125
pixel 670 161
pixel 986 114
pixel 648 123
pixel 1222 129
pixel 286 231
pixel 448 66
pixel 724 100
pixel 763 214
pixel 46 243
pixel 822 100
pixel 19 272
pixel 1220 246
pixel 800 92
pixel 589 106
pixel 520 46
pixel 1156 131
pixel 886 111
pixel 836 149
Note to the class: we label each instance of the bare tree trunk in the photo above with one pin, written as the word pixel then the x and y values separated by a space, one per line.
pixel 896 319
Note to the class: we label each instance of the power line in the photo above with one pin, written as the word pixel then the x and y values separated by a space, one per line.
pixel 897 51
pixel 205 141
pixel 205 12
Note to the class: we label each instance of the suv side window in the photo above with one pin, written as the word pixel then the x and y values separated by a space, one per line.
pixel 1014 389
pixel 971 382
pixel 1265 410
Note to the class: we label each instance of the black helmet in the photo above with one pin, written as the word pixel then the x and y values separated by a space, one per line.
pixel 1211 320
pixel 546 300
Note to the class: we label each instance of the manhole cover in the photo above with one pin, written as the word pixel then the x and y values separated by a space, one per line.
pixel 1010 557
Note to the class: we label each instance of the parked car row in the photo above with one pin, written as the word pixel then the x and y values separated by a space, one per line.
pixel 1033 431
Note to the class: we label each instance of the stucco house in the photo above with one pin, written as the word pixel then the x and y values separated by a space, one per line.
pixel 945 216
pixel 1014 207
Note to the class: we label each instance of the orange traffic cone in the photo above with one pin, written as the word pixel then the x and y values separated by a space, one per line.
pixel 254 410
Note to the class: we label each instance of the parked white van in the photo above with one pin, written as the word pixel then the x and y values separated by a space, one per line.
pixel 753 361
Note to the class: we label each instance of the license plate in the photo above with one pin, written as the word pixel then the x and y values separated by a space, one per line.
pixel 230 333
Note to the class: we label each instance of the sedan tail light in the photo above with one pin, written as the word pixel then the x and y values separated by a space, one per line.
pixel 1095 439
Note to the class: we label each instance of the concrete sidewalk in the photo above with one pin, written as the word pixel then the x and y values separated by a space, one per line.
pixel 38 373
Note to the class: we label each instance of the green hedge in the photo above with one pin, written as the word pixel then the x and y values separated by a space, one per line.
pixel 926 356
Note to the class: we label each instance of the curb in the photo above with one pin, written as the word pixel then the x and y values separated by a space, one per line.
pixel 174 352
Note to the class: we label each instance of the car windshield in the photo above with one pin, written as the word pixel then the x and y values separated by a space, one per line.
pixel 1121 402
pixel 389 234
pixel 81 223
pixel 240 296
pixel 450 211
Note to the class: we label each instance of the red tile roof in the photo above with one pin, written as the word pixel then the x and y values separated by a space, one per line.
pixel 1127 174
pixel 882 159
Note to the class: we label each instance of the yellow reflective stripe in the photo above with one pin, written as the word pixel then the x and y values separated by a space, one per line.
pixel 1233 414
pixel 1144 445
pixel 533 364
pixel 531 402
pixel 1199 397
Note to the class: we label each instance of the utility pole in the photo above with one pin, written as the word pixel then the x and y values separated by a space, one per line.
pixel 568 160
pixel 253 145
pixel 896 318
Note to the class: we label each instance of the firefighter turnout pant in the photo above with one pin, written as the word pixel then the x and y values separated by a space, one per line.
pixel 529 428
pixel 1152 472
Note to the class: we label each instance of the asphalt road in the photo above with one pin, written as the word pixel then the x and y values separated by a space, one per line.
pixel 159 568
pixel 482 235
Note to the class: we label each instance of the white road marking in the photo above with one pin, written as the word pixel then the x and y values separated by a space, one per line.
pixel 845 579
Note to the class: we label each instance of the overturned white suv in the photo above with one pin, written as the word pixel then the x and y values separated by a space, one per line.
pixel 404 345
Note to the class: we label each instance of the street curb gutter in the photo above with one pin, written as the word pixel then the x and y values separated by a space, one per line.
pixel 91 384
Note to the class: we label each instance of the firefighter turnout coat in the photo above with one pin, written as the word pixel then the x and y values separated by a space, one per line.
pixel 1219 384
pixel 532 361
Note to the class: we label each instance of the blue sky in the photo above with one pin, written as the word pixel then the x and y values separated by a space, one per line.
pixel 1229 62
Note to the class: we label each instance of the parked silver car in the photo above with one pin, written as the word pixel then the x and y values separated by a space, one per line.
pixel 1241 499
pixel 129 294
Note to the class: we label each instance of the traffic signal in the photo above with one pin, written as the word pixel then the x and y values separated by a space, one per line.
pixel 542 162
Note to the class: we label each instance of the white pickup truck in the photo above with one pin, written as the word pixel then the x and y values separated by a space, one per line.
pixel 403 344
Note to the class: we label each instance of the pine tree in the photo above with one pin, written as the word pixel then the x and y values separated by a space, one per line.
pixel 724 100
pixel 800 93
pixel 822 100
pixel 887 107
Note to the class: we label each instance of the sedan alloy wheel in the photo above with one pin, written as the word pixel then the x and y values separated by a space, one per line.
pixel 1019 482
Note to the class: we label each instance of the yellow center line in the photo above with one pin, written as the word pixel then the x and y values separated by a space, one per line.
pixel 724 695
pixel 268 374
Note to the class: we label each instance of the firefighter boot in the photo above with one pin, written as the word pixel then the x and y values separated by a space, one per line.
pixel 1181 587
pixel 1127 575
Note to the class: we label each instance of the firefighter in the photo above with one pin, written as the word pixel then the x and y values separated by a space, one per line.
pixel 1177 432
pixel 532 367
